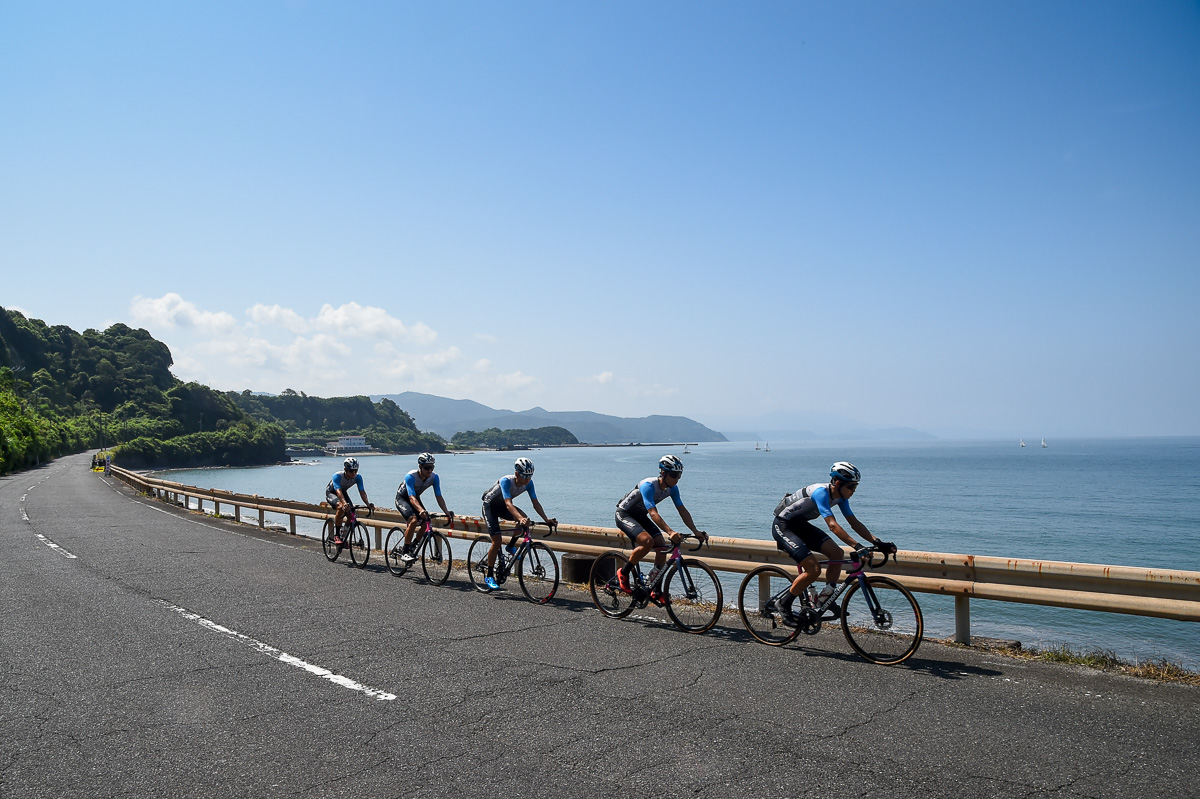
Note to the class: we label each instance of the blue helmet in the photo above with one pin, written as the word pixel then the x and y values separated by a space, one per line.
pixel 524 467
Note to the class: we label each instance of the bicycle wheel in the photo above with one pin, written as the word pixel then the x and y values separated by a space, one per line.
pixel 538 574
pixel 436 558
pixel 331 549
pixel 360 544
pixel 883 624
pixel 758 587
pixel 393 548
pixel 693 595
pixel 477 562
pixel 606 591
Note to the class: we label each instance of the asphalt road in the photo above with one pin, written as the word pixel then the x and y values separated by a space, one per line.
pixel 151 652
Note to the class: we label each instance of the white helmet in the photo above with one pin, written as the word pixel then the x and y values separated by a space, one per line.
pixel 350 464
pixel 425 459
pixel 524 467
pixel 669 463
pixel 844 471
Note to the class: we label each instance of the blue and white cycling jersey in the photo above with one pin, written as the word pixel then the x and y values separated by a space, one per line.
pixel 812 502
pixel 646 495
pixel 414 486
pixel 336 483
pixel 506 488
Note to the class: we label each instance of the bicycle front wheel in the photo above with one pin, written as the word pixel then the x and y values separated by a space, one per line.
pixel 331 549
pixel 757 589
pixel 882 622
pixel 693 596
pixel 360 544
pixel 606 590
pixel 538 574
pixel 393 549
pixel 477 557
pixel 436 558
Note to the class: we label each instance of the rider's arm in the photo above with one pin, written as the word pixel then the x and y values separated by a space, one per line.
pixel 541 511
pixel 516 512
pixel 445 510
pixel 837 530
pixel 691 525
pixel 657 518
pixel 862 530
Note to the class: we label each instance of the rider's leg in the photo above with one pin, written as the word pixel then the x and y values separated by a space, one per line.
pixel 493 551
pixel 834 552
pixel 642 546
pixel 409 531
pixel 807 569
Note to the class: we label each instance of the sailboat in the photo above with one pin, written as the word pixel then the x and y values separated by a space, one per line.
pixel 767 448
pixel 756 446
pixel 1043 443
pixel 1022 442
pixel 686 451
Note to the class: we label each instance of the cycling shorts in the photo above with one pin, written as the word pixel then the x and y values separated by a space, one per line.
pixel 493 512
pixel 633 523
pixel 798 538
pixel 332 498
pixel 404 507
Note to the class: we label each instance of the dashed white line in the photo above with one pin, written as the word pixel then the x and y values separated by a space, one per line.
pixel 281 656
pixel 53 545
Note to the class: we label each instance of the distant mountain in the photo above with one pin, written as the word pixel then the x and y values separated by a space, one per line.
pixel 449 416
pixel 812 426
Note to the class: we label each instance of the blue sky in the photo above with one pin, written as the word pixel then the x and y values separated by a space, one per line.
pixel 968 218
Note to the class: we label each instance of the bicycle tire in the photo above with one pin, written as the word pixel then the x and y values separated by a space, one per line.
pixel 693 595
pixel 764 627
pixel 538 574
pixel 393 548
pixel 891 637
pixel 331 549
pixel 436 558
pixel 477 562
pixel 359 544
pixel 607 595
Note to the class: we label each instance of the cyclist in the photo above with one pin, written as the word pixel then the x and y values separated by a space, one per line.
pixel 337 492
pixel 638 518
pixel 498 504
pixel 408 499
pixel 798 537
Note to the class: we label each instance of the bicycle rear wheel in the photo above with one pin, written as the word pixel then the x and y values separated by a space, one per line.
pixel 883 624
pixel 331 549
pixel 436 558
pixel 693 595
pixel 756 590
pixel 393 548
pixel 606 590
pixel 477 557
pixel 360 544
pixel 538 574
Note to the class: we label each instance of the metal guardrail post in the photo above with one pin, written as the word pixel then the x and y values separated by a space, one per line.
pixel 962 619
pixel 262 518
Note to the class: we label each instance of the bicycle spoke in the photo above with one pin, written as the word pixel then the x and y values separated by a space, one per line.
pixel 882 622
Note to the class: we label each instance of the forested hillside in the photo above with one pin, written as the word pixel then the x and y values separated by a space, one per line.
pixel 385 426
pixel 63 391
pixel 505 439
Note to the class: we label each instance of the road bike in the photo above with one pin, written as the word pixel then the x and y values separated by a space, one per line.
pixel 533 561
pixel 430 546
pixel 688 588
pixel 353 536
pixel 880 618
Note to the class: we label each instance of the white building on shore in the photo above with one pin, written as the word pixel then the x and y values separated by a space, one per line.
pixel 348 444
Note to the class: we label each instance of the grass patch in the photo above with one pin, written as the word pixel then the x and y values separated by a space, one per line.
pixel 1161 669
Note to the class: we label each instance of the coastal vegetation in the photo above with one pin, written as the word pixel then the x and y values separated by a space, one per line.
pixel 62 391
pixel 494 438
pixel 384 424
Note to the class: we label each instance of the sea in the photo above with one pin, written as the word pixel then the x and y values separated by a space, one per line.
pixel 1128 501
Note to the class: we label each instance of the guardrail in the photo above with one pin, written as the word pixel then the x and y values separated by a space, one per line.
pixel 1164 593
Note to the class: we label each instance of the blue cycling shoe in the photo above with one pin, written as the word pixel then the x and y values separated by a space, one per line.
pixel 492 584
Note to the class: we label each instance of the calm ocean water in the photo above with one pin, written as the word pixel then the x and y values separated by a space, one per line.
pixel 1131 502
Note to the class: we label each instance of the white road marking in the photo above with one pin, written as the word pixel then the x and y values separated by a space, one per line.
pixel 53 545
pixel 281 656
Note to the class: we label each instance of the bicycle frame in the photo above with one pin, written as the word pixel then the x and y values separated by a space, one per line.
pixel 507 565
pixel 675 559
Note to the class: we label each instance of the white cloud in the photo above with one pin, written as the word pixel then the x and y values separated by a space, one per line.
pixel 340 350
pixel 172 310
pixel 602 378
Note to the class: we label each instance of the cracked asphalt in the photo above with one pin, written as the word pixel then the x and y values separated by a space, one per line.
pixel 109 692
